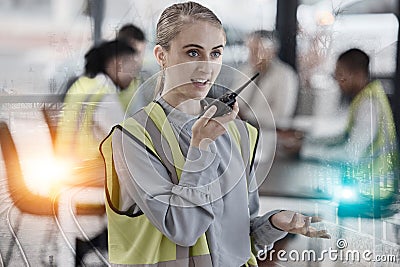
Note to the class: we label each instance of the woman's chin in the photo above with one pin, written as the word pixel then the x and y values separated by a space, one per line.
pixel 194 92
pixel 200 89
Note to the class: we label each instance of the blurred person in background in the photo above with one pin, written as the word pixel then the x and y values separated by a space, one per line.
pixel 92 107
pixel 277 86
pixel 136 38
pixel 367 148
pixel 278 81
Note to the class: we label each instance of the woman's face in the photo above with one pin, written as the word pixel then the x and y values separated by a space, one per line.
pixel 193 60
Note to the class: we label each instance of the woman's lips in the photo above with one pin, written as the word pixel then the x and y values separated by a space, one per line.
pixel 201 83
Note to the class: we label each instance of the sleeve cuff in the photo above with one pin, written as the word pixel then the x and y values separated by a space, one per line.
pixel 263 233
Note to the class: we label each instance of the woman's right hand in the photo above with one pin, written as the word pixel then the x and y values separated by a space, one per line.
pixel 207 129
pixel 297 223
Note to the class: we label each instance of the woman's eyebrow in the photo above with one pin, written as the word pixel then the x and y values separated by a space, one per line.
pixel 199 46
pixel 219 46
pixel 193 45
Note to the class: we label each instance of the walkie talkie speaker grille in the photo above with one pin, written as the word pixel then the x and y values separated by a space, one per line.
pixel 225 102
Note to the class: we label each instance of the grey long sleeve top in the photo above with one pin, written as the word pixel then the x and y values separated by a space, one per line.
pixel 212 196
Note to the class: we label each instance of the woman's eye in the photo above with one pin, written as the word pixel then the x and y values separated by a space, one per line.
pixel 216 54
pixel 193 53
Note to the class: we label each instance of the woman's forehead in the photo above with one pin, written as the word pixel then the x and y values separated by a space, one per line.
pixel 201 33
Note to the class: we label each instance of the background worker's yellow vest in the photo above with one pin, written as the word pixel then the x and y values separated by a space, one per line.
pixel 125 96
pixel 75 136
pixel 376 174
pixel 133 239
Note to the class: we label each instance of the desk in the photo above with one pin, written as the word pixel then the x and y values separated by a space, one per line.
pixel 292 177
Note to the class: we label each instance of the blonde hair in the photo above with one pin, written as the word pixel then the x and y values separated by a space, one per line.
pixel 173 19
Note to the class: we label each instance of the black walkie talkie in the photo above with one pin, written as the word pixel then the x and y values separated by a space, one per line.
pixel 225 102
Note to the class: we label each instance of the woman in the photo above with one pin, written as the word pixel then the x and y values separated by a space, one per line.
pixel 91 107
pixel 180 188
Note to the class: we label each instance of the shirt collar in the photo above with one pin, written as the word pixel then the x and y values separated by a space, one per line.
pixel 180 119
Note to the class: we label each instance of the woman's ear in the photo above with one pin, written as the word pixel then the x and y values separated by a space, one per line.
pixel 159 53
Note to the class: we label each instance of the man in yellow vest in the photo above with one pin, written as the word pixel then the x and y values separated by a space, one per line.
pixel 367 150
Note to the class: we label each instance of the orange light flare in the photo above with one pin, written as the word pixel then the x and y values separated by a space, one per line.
pixel 325 18
pixel 45 176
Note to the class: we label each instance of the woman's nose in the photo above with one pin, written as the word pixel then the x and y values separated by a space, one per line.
pixel 205 66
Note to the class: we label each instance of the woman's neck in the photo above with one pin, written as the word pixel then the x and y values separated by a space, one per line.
pixel 188 106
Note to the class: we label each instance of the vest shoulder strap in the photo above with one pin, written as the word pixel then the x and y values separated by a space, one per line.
pixel 160 144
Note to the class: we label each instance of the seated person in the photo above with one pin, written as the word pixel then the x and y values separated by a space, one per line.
pixel 366 151
pixel 278 82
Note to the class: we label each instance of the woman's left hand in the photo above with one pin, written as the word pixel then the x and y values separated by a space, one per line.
pixel 297 223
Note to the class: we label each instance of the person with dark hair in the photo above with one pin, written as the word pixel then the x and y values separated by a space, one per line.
pixel 366 150
pixel 131 32
pixel 91 106
pixel 136 38
pixel 107 59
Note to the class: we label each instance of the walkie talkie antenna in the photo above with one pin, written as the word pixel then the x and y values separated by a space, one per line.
pixel 237 91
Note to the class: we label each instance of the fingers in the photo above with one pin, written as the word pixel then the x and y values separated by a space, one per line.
pixel 229 116
pixel 222 120
pixel 312 231
pixel 292 224
pixel 323 234
pixel 307 225
pixel 318 233
pixel 301 224
pixel 209 128
pixel 235 108
pixel 315 219
pixel 209 112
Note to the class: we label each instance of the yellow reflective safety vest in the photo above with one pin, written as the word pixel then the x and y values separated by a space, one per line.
pixel 376 174
pixel 132 239
pixel 76 134
pixel 125 96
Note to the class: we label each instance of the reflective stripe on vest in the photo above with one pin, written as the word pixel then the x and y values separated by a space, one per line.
pixel 133 240
pixel 377 172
